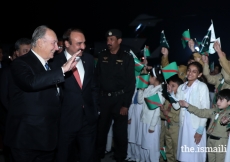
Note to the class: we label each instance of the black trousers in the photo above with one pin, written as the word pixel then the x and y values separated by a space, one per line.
pixel 79 143
pixel 110 110
pixel 27 155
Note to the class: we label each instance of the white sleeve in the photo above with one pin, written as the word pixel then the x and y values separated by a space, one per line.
pixel 205 102
pixel 140 96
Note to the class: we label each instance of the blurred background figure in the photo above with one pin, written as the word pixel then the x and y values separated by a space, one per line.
pixel 22 46
pixel 60 46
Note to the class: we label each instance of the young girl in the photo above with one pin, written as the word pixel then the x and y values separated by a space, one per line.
pixel 150 119
pixel 172 118
pixel 192 133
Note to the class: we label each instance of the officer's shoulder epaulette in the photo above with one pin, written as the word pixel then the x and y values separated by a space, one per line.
pixel 127 52
pixel 103 50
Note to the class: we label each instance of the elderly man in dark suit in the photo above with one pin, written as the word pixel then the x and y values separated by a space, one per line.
pixel 79 111
pixel 34 111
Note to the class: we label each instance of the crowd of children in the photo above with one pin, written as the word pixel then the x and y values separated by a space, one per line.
pixel 179 121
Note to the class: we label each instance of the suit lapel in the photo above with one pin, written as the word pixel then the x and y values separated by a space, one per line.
pixel 35 62
pixel 85 66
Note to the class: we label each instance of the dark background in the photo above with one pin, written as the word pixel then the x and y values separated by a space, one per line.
pixel 20 18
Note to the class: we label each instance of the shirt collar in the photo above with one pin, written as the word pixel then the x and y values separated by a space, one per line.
pixel 40 58
pixel 67 55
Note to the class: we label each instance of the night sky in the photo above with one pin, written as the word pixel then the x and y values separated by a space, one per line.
pixel 20 18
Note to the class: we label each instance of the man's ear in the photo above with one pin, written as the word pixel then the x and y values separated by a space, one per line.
pixel 228 103
pixel 67 44
pixel 17 53
pixel 40 43
pixel 119 40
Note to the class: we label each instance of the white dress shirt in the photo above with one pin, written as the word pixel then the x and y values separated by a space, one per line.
pixel 43 62
pixel 79 66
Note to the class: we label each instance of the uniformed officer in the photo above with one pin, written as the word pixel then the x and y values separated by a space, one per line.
pixel 115 72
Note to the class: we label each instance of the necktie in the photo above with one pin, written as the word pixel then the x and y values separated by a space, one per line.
pixel 135 98
pixel 77 76
pixel 47 66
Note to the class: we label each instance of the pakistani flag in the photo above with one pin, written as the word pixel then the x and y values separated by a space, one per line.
pixel 146 52
pixel 204 46
pixel 136 73
pixel 163 154
pixel 153 102
pixel 138 65
pixel 185 37
pixel 163 41
pixel 212 39
pixel 170 70
pixel 197 43
pixel 142 81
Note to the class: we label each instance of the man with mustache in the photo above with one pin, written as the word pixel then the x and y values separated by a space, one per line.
pixel 115 72
pixel 79 111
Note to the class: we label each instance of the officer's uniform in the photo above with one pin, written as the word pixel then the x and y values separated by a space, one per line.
pixel 117 84
pixel 217 134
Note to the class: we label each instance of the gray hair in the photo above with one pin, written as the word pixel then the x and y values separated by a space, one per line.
pixel 39 32
pixel 21 41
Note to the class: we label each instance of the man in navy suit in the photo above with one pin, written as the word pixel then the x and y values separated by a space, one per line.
pixel 34 111
pixel 79 110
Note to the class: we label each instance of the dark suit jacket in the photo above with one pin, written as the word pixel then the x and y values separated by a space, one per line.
pixel 4 86
pixel 4 96
pixel 77 101
pixel 34 110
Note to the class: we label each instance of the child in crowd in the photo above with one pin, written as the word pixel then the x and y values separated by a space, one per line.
pixel 150 119
pixel 217 134
pixel 172 120
pixel 192 132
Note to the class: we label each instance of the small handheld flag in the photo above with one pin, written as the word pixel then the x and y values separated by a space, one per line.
pixel 163 154
pixel 163 41
pixel 138 65
pixel 185 37
pixel 153 102
pixel 170 70
pixel 212 39
pixel 142 81
pixel 204 46
pixel 146 52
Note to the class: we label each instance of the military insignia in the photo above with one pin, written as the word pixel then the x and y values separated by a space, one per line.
pixel 119 61
pixel 110 33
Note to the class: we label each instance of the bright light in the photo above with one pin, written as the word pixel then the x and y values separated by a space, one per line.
pixel 197 49
pixel 138 27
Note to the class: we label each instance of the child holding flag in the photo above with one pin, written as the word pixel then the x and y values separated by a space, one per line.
pixel 172 120
pixel 151 98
